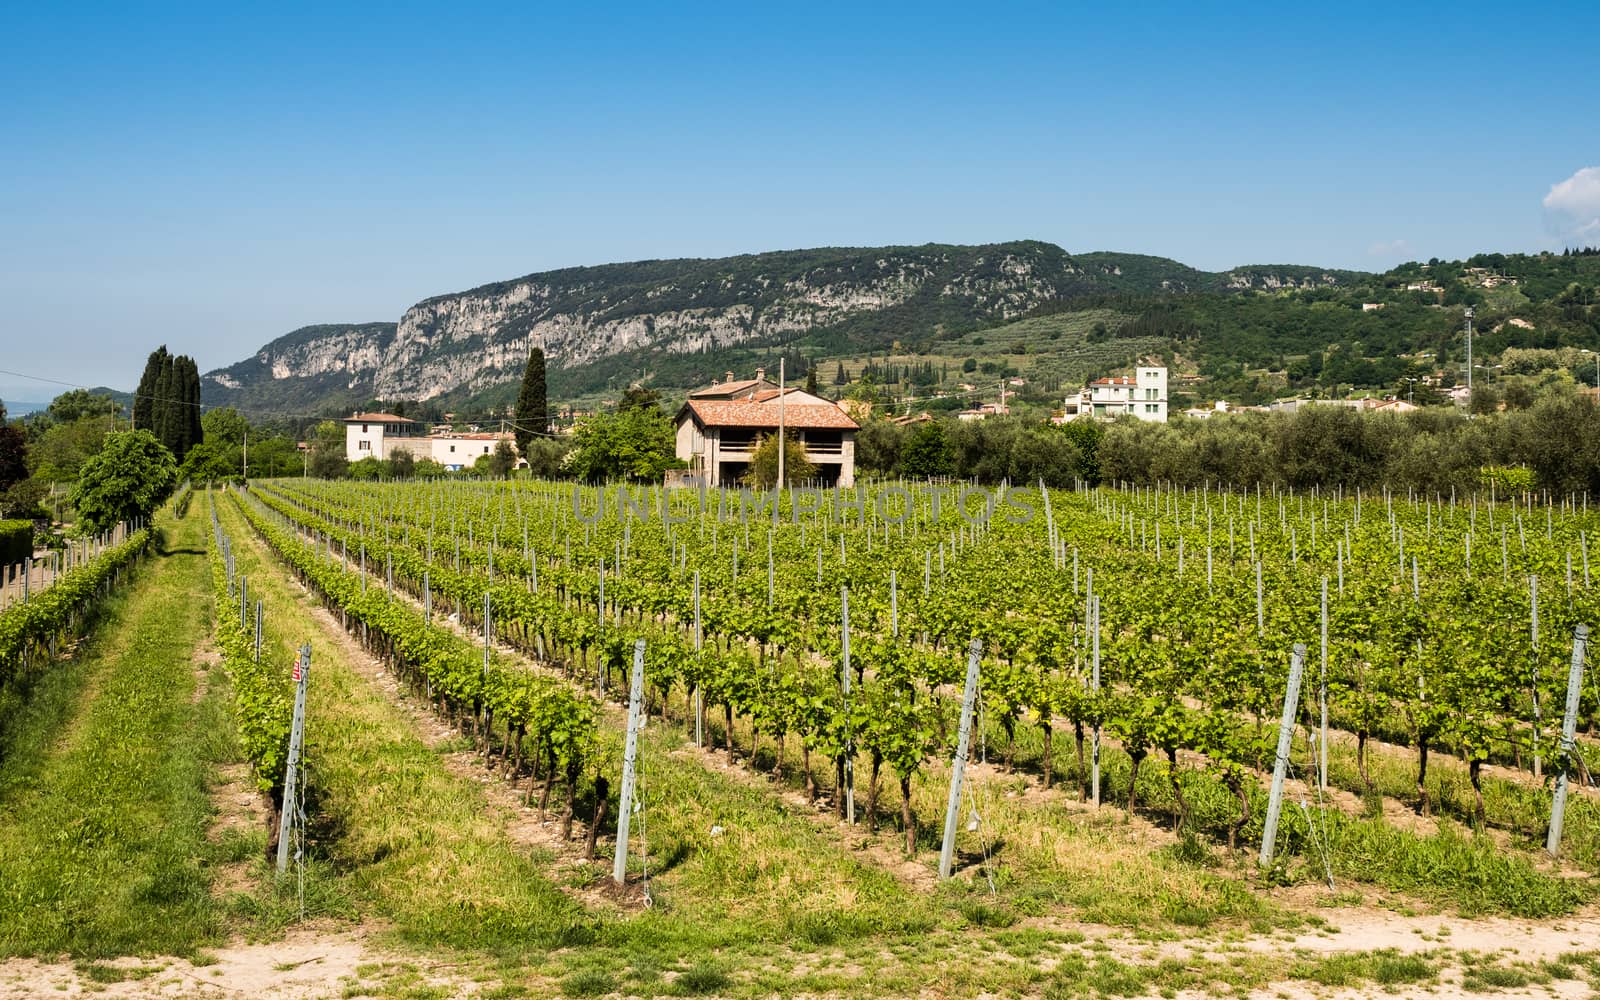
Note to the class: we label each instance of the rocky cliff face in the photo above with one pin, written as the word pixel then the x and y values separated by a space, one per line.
pixel 476 339
pixel 847 299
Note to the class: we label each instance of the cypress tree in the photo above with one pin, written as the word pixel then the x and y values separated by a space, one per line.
pixel 144 398
pixel 162 409
pixel 533 404
pixel 185 405
pixel 197 433
pixel 811 380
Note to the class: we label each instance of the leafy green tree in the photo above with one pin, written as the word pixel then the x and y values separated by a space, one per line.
pixel 637 397
pixel 498 463
pixel 1044 453
pixel 129 478
pixel 633 443
pixel 1519 395
pixel 370 468
pixel 13 457
pixel 327 459
pixel 224 425
pixel 80 403
pixel 763 471
pixel 927 452
pixel 1085 436
pixel 212 461
pixel 402 464
pixel 878 445
pixel 60 453
pixel 545 456
pixel 533 404
pixel 23 499
pixel 275 456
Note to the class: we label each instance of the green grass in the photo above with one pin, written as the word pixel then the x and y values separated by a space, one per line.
pixel 103 787
pixel 1473 874
pixel 399 834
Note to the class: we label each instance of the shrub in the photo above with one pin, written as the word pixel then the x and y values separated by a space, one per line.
pixel 16 541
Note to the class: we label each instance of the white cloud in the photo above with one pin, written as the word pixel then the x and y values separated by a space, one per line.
pixel 1572 208
pixel 1389 248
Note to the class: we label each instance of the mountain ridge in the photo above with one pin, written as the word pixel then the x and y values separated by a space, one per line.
pixel 665 313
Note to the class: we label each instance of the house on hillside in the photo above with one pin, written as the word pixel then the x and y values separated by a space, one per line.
pixel 718 428
pixel 380 435
pixel 983 411
pixel 1143 395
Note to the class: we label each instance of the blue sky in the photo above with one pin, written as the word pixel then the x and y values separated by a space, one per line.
pixel 212 176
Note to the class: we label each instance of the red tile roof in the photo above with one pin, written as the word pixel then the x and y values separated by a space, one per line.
pixel 377 418
pixel 769 394
pixel 744 413
pixel 724 390
pixel 1115 381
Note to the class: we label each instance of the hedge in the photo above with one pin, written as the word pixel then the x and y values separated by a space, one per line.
pixel 16 541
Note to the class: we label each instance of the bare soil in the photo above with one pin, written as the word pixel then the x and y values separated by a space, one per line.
pixel 307 962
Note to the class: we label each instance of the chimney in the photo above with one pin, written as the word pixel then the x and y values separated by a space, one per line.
pixel 761 374
pixel 727 376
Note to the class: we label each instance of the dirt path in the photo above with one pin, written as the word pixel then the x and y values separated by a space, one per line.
pixel 308 962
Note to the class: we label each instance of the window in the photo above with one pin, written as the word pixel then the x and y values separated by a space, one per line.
pixel 486 449
pixel 452 449
pixel 363 446
pixel 1151 408
pixel 1149 394
pixel 364 429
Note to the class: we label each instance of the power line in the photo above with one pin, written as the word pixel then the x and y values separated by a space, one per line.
pixel 248 410
pixel 135 395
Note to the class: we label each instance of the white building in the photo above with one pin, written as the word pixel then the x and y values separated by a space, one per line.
pixel 719 426
pixel 374 435
pixel 380 435
pixel 1144 395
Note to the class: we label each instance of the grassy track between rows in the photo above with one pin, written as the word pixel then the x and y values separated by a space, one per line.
pixel 103 784
pixel 404 839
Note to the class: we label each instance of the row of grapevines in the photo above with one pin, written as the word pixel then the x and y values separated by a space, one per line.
pixel 544 720
pixel 263 691
pixel 892 721
pixel 55 611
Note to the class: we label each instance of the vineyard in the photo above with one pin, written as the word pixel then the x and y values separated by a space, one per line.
pixel 1135 648
pixel 598 741
pixel 33 629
